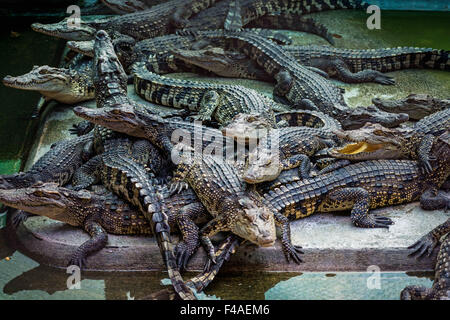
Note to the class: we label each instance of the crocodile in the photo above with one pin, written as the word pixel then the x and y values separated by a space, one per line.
pixel 359 187
pixel 275 150
pixel 417 106
pixel 158 20
pixel 347 65
pixel 302 87
pixel 212 101
pixel 61 84
pixel 122 164
pixel 166 17
pixel 97 212
pixel 130 6
pixel 376 142
pixel 233 207
pixel 56 165
pixel 441 285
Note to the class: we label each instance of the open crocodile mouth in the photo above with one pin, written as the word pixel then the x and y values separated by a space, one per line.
pixel 358 147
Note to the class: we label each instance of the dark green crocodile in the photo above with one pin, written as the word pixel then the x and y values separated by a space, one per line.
pixel 56 165
pixel 360 187
pixel 129 6
pixel 275 150
pixel 212 101
pixel 425 245
pixel 417 106
pixel 348 65
pixel 158 20
pixel 376 142
pixel 98 212
pixel 224 195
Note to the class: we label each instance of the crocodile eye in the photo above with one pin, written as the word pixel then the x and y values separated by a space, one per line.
pixel 251 119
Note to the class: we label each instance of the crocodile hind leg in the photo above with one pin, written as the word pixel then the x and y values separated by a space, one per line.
pixel 87 175
pixel 98 241
pixel 423 153
pixel 344 74
pixel 433 199
pixel 185 220
pixel 360 210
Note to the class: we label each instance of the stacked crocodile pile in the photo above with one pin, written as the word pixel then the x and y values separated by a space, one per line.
pixel 253 162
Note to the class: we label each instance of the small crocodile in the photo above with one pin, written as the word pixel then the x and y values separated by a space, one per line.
pixel 212 101
pixel 360 187
pixel 224 195
pixel 56 165
pixel 98 212
pixel 425 245
pixel 63 85
pixel 376 142
pixel 158 20
pixel 348 65
pixel 417 106
pixel 283 148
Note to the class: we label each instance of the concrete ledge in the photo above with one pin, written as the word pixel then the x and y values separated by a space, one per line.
pixel 330 242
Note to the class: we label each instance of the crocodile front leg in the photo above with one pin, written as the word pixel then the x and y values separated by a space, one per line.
pixel 88 174
pixel 208 105
pixel 98 241
pixel 189 230
pixel 301 161
pixel 289 250
pixel 360 210
pixel 433 199
pixel 423 153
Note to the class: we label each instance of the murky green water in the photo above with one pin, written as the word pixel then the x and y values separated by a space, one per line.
pixel 23 278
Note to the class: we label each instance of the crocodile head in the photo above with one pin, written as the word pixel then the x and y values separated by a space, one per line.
pixel 250 127
pixel 223 63
pixel 109 76
pixel 16 180
pixel 417 106
pixel 256 222
pixel 262 165
pixel 125 119
pixel 356 118
pixel 65 30
pixel 59 84
pixel 371 142
pixel 50 200
pixel 84 47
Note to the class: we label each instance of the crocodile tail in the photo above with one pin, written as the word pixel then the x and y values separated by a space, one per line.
pixel 392 59
pixel 161 230
pixel 306 118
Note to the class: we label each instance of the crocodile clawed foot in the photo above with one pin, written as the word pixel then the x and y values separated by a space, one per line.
pixel 384 79
pixel 424 245
pixel 177 187
pixel 374 221
pixel 293 252
pixel 19 217
pixel 426 165
pixel 183 254
pixel 202 117
pixel 77 260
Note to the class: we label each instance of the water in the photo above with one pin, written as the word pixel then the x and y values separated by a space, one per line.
pixel 23 278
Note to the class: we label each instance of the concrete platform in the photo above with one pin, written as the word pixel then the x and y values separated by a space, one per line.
pixel 330 241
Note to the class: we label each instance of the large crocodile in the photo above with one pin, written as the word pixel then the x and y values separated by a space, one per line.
pixel 158 20
pixel 376 142
pixel 164 18
pixel 425 245
pixel 361 187
pixel 212 101
pixel 60 84
pixel 348 65
pixel 97 212
pixel 224 195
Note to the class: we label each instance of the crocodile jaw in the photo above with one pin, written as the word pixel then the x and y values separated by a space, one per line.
pixel 62 30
